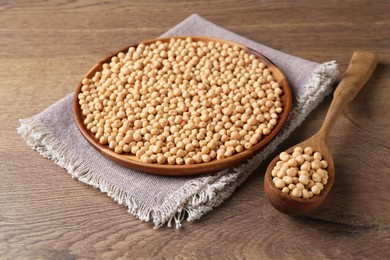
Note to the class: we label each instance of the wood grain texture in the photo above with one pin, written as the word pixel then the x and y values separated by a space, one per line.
pixel 47 46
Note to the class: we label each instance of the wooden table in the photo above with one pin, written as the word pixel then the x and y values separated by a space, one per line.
pixel 46 47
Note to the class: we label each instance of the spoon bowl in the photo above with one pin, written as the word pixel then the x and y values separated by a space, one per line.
pixel 288 204
pixel 360 69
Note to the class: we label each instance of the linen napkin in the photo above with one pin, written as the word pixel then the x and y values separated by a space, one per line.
pixel 160 199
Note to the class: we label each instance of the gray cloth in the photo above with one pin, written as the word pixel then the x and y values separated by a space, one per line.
pixel 54 135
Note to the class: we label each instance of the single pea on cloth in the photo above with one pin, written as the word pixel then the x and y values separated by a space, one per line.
pixel 161 199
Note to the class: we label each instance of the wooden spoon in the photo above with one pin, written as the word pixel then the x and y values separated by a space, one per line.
pixel 360 68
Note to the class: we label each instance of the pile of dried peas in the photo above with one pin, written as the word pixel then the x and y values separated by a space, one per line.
pixel 302 173
pixel 181 102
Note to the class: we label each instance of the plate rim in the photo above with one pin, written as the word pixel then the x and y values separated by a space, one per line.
pixel 130 161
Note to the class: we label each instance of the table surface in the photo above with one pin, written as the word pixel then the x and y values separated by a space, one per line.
pixel 47 46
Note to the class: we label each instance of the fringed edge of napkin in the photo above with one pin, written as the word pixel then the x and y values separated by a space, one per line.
pixel 199 196
pixel 190 205
pixel 40 139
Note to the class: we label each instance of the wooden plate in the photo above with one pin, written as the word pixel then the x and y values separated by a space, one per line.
pixel 133 162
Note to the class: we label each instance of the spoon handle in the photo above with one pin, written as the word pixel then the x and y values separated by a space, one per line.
pixel 359 70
